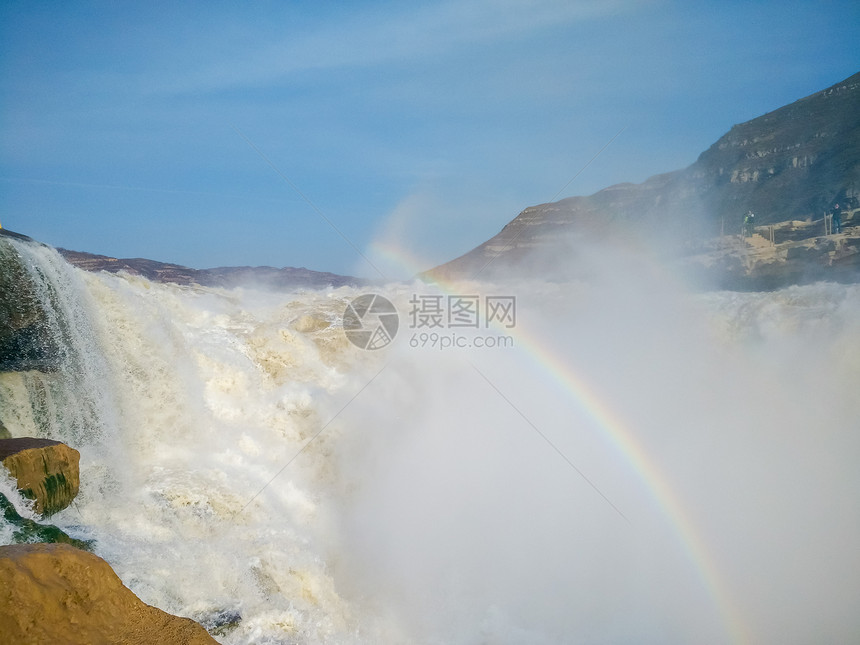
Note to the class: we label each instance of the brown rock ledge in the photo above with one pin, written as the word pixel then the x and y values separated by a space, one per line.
pixel 54 593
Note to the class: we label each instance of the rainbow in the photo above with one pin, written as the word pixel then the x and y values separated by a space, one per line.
pixel 624 441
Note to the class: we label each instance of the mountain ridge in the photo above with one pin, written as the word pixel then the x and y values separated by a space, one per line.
pixel 283 278
pixel 792 163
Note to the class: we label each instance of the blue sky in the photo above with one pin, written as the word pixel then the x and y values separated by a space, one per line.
pixel 421 127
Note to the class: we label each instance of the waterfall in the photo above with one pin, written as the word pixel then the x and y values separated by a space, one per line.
pixel 243 464
pixel 185 403
pixel 62 388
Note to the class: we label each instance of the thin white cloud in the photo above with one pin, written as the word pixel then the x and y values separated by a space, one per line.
pixel 370 39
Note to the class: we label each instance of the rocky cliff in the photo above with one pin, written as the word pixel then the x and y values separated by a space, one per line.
pixel 54 593
pixel 791 164
pixel 776 256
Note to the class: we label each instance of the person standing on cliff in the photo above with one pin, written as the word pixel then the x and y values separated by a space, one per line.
pixel 837 218
pixel 749 224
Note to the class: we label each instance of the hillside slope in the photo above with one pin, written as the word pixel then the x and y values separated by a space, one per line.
pixel 262 276
pixel 791 164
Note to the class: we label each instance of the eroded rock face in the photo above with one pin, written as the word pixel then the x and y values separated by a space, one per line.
pixel 54 593
pixel 46 471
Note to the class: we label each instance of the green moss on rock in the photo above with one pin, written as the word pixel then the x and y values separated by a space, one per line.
pixel 29 531
pixel 46 471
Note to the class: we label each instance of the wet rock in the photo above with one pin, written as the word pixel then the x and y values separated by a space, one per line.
pixel 46 471
pixel 54 593
pixel 29 531
pixel 221 622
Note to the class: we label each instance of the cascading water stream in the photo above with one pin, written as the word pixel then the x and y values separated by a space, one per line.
pixel 184 405
pixel 243 464
pixel 70 396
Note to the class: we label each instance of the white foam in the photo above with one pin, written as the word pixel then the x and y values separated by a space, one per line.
pixel 428 510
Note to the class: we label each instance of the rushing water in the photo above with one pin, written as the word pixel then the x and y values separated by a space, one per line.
pixel 640 466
